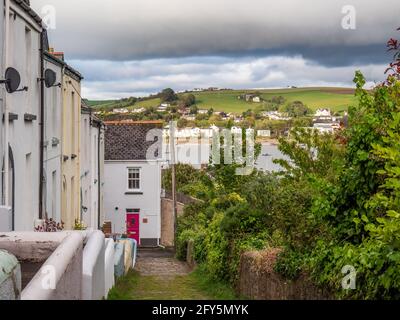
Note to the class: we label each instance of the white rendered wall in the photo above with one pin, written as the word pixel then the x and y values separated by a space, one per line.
pixel 23 135
pixel 93 277
pixel 109 280
pixel 52 150
pixel 86 170
pixel 149 202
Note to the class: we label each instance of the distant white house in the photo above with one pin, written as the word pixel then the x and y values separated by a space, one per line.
pixel 264 133
pixel 139 110
pixel 121 110
pixel 275 115
pixel 133 180
pixel 323 113
pixel 250 97
pixel 202 111
pixel 162 109
pixel 324 127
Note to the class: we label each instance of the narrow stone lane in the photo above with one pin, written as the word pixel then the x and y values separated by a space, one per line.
pixel 158 275
pixel 157 262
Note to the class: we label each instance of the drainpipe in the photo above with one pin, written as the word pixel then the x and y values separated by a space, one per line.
pixel 98 177
pixel 6 111
pixel 41 162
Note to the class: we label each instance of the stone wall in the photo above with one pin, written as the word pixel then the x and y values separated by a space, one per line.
pixel 167 221
pixel 258 281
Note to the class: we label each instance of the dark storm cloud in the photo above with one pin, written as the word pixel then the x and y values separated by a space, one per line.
pixel 136 47
pixel 147 29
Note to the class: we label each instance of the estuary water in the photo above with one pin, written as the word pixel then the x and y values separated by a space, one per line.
pixel 199 154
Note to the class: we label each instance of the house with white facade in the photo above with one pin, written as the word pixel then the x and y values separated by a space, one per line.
pixel 20 160
pixel 139 110
pixel 5 211
pixel 52 135
pixel 133 152
pixel 92 173
pixel 162 108
pixel 121 110
pixel 323 113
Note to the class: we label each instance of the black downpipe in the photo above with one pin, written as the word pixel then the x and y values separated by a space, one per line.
pixel 41 162
pixel 12 165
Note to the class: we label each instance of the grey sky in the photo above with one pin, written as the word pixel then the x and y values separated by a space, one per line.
pixel 139 46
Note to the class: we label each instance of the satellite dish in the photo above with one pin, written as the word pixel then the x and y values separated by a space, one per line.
pixel 50 78
pixel 13 80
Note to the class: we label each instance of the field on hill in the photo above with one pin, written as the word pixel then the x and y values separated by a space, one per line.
pixel 314 98
pixel 337 99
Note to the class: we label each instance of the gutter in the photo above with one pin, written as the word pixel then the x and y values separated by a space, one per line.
pixel 98 178
pixel 41 161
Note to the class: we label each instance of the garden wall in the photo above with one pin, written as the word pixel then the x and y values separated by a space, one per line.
pixel 167 221
pixel 259 281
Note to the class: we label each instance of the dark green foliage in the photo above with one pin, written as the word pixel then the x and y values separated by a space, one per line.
pixel 336 204
pixel 289 264
pixel 168 95
pixel 296 109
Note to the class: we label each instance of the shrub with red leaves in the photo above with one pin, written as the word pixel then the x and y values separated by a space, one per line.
pixel 50 226
pixel 394 67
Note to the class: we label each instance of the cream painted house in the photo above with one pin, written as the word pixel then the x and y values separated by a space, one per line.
pixel 71 149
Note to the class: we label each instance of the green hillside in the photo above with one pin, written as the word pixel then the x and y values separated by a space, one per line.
pixel 314 98
pixel 337 99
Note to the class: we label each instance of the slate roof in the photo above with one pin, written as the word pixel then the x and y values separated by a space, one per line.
pixel 126 140
pixel 25 5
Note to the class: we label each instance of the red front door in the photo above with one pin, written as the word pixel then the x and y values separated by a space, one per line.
pixel 133 226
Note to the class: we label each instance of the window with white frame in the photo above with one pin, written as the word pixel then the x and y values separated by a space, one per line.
pixel 134 179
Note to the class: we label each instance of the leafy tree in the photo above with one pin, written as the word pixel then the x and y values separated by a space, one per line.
pixel 168 95
pixel 190 99
pixel 296 109
pixel 194 109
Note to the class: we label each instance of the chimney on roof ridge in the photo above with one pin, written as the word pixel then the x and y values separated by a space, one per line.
pixel 58 55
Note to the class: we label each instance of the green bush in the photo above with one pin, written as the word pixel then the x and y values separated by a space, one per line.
pixel 336 204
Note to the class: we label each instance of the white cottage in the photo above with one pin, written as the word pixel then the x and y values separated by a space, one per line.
pixel 52 131
pixel 92 173
pixel 20 150
pixel 133 179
